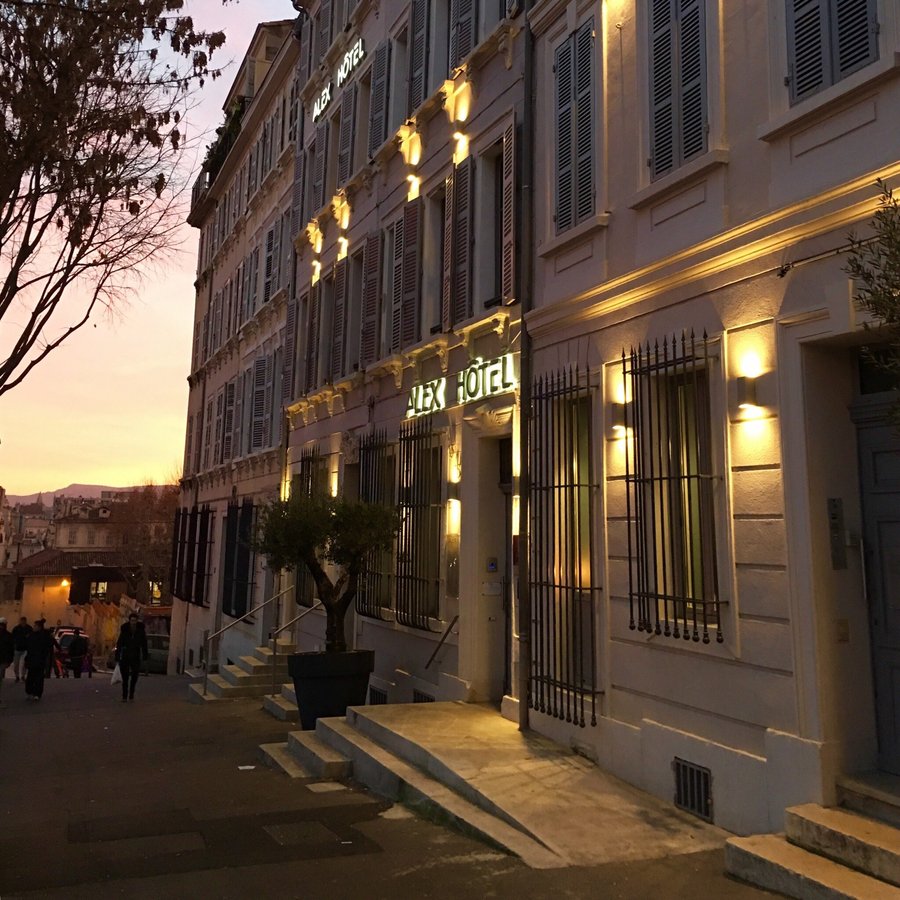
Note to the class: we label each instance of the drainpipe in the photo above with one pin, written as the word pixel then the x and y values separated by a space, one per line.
pixel 526 283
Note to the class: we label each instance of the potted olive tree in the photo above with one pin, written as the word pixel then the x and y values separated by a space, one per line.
pixel 332 538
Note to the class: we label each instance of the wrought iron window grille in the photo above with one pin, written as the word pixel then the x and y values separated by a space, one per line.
pixel 563 671
pixel 670 503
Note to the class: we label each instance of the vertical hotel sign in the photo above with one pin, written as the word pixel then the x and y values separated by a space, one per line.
pixel 349 61
pixel 481 378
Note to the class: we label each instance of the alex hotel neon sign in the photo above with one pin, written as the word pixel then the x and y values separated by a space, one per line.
pixel 481 378
pixel 351 59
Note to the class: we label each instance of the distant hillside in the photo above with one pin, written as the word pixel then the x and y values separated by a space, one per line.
pixel 73 490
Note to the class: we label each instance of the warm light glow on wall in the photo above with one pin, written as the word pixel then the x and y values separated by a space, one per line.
pixel 458 99
pixel 334 483
pixel 316 271
pixel 314 234
pixel 461 150
pixel 340 208
pixel 750 365
pixel 64 583
pixel 414 184
pixel 515 514
pixel 410 144
pixel 454 465
pixel 454 516
pixel 343 245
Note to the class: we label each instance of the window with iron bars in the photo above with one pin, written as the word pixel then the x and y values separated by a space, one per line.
pixel 239 560
pixel 673 582
pixel 421 522
pixel 310 480
pixel 562 680
pixel 377 484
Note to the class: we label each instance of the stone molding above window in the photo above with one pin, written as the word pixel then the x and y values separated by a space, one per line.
pixel 574 234
pixel 700 165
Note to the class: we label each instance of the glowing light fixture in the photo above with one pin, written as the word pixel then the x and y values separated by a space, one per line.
pixel 414 184
pixel 340 208
pixel 746 392
pixel 458 98
pixel 317 271
pixel 619 413
pixel 410 144
pixel 461 150
pixel 64 583
pixel 314 234
pixel 343 244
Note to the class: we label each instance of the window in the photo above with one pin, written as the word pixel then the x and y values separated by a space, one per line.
pixel 421 536
pixel 353 311
pixel 91 537
pixel 456 289
pixel 463 30
pixel 488 241
pixel 827 41
pixel 377 484
pixel 238 566
pixel 73 536
pixel 398 95
pixel 379 97
pixel 574 74
pixel 669 474
pixel 346 135
pixel 99 590
pixel 310 480
pixel 678 114
pixel 370 315
pixel 417 80
pixel 339 321
pixel 563 673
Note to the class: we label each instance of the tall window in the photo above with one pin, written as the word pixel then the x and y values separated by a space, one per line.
pixel 669 472
pixel 238 565
pixel 678 100
pixel 377 484
pixel 574 84
pixel 827 41
pixel 310 480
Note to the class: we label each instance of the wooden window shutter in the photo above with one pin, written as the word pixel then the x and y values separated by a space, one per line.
pixel 662 87
pixel 378 98
pixel 304 62
pixel 269 265
pixel 397 286
pixel 324 23
pixel 200 564
pixel 318 185
pixel 368 339
pixel 808 47
pixel 418 54
pixel 276 254
pixel 692 78
pixel 268 401
pixel 464 29
pixel 312 348
pixel 447 262
pixel 584 121
pixel 464 182
pixel 237 427
pixel 338 316
pixel 346 134
pixel 188 440
pixel 412 227
pixel 856 35
pixel 287 251
pixel 290 352
pixel 565 174
pixel 508 213
pixel 228 424
pixel 258 424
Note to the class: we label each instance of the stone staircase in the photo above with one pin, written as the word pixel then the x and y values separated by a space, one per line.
pixel 849 851
pixel 249 676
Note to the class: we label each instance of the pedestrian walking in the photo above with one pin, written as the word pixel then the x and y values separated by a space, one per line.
pixel 77 651
pixel 7 652
pixel 38 654
pixel 20 642
pixel 131 648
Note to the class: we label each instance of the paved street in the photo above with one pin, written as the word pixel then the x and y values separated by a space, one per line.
pixel 165 799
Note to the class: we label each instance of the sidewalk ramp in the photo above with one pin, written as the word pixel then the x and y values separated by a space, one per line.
pixel 463 764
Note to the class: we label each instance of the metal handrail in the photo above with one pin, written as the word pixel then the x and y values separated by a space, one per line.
pixel 221 631
pixel 273 638
pixel 444 637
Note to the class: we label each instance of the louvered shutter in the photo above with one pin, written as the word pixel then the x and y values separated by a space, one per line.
pixel 269 270
pixel 312 349
pixel 565 174
pixel 303 64
pixel 231 525
pixel 287 252
pixel 276 255
pixel 409 313
pixel 195 361
pixel 228 425
pixel 318 185
pixel 346 134
pixel 217 433
pixel 268 400
pixel 447 261
pixel 584 121
pixel 378 98
pixel 508 213
pixel 418 54
pixel 337 319
pixel 324 23
pixel 808 47
pixel 692 78
pixel 243 570
pixel 188 440
pixel 297 195
pixel 202 555
pixel 207 433
pixel 368 339
pixel 290 352
pixel 397 286
pixel 462 239
pixel 258 425
pixel 198 442
pixel 855 35
pixel 175 555
pixel 462 30
pixel 662 87
pixel 190 556
pixel 237 433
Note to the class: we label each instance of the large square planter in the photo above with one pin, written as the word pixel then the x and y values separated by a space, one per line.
pixel 327 683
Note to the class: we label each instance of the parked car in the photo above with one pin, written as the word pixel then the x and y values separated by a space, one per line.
pixel 158 655
pixel 64 635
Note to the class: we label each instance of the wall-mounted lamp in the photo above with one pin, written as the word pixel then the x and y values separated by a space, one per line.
pixel 410 144
pixel 343 246
pixel 746 392
pixel 461 149
pixel 414 184
pixel 314 234
pixel 618 421
pixel 316 271
pixel 453 490
pixel 64 583
pixel 458 98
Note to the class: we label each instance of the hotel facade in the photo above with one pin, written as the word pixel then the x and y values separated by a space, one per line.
pixel 622 313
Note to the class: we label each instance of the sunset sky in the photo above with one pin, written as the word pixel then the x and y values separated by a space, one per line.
pixel 108 406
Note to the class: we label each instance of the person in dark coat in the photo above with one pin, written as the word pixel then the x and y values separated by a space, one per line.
pixel 38 653
pixel 20 638
pixel 131 648
pixel 7 651
pixel 77 651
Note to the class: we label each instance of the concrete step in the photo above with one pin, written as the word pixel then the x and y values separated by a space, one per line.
pixel 284 647
pixel 196 695
pixel 417 755
pixel 255 666
pixel 876 795
pixel 318 757
pixel 769 861
pixel 391 777
pixel 220 686
pixel 281 708
pixel 859 842
pixel 236 675
pixel 279 757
